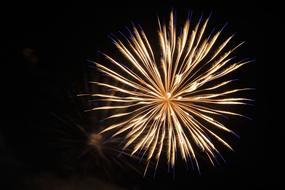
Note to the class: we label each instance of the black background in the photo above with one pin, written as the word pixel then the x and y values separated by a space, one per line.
pixel 48 47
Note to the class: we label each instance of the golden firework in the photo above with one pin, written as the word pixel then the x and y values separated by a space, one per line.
pixel 167 101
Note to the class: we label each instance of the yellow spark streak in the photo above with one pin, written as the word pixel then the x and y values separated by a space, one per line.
pixel 162 105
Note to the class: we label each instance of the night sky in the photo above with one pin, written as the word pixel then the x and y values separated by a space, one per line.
pixel 48 47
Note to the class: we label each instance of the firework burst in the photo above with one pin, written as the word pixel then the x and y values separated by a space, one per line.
pixel 167 102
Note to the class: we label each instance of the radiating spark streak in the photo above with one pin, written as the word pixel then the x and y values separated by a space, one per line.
pixel 165 100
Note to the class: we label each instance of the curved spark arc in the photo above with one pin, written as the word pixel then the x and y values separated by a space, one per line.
pixel 160 103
